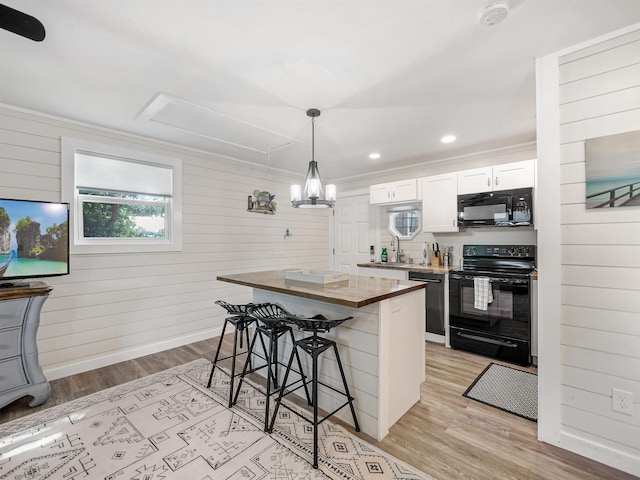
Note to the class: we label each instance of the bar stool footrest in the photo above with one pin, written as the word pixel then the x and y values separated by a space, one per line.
pixel 310 420
pixel 228 373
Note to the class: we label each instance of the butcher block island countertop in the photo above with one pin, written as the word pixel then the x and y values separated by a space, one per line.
pixel 356 292
pixel 382 347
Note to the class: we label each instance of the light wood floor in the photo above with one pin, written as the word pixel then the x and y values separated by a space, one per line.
pixel 445 435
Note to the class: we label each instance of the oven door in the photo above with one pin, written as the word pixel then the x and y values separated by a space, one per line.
pixel 509 314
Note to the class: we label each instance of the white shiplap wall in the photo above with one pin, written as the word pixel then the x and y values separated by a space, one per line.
pixel 599 94
pixel 114 307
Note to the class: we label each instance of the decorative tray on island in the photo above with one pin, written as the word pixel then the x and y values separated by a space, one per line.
pixel 316 276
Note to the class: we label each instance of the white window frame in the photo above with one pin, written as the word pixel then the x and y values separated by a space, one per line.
pixel 70 193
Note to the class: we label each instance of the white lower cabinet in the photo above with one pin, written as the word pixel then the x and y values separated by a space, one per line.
pixel 439 203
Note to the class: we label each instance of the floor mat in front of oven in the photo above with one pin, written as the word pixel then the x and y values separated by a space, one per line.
pixel 509 389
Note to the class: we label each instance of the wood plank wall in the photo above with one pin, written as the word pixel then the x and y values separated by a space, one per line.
pixel 599 90
pixel 120 306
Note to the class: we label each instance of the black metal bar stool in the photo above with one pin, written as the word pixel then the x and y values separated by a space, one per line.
pixel 315 346
pixel 241 320
pixel 272 325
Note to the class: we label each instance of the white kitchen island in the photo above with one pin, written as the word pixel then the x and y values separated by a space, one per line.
pixel 381 348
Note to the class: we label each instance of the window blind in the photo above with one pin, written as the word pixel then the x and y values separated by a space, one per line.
pixel 120 175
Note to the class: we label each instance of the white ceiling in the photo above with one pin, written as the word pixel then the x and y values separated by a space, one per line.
pixel 236 77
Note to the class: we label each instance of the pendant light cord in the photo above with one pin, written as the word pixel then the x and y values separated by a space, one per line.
pixel 313 139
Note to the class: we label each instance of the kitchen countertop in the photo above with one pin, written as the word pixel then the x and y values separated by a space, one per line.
pixel 356 292
pixel 416 267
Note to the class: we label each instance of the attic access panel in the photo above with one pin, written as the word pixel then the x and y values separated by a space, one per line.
pixel 202 121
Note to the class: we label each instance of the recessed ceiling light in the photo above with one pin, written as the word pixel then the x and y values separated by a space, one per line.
pixel 374 156
pixel 448 139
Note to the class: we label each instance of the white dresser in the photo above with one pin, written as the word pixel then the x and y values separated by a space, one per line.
pixel 20 372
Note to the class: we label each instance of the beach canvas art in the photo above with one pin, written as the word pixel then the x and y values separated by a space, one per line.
pixel 613 171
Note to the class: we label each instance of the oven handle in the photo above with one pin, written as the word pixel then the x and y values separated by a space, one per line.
pixel 488 340
pixel 513 281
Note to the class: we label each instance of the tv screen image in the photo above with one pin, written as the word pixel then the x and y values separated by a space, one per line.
pixel 34 239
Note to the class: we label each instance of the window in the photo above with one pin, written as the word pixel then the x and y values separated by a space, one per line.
pixel 404 224
pixel 122 200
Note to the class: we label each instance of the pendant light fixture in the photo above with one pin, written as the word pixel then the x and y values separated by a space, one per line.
pixel 313 196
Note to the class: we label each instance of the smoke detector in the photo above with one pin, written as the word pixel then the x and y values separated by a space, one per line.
pixel 493 12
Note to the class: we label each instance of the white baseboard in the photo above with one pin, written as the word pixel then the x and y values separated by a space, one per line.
pixel 433 337
pixel 124 355
pixel 601 453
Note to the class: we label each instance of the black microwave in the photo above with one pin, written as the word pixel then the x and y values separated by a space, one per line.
pixel 505 208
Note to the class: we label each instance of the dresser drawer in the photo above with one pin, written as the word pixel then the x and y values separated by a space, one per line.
pixel 9 343
pixel 12 312
pixel 11 374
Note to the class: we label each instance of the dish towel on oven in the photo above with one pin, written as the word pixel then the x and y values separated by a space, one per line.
pixel 483 295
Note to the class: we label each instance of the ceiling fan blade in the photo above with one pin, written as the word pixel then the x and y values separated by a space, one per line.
pixel 21 24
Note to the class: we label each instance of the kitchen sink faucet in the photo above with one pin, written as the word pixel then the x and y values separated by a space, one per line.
pixel 400 252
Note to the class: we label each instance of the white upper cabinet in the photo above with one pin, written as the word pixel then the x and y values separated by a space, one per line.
pixel 394 192
pixel 499 177
pixel 475 180
pixel 514 175
pixel 439 203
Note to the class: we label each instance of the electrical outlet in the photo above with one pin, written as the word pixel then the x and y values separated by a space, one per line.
pixel 278 249
pixel 622 401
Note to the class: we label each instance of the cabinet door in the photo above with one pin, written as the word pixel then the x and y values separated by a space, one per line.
pixel 514 175
pixel 439 203
pixel 380 193
pixel 405 191
pixel 475 180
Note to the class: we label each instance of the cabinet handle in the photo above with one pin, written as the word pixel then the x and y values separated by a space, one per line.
pixel 488 182
pixel 497 182
pixel 394 194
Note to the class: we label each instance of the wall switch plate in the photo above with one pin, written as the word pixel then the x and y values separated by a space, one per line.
pixel 622 401
pixel 278 249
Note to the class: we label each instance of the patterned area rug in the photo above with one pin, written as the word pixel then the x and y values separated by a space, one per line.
pixel 169 426
pixel 514 391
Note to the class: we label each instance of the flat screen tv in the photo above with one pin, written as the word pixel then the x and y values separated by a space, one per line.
pixel 34 240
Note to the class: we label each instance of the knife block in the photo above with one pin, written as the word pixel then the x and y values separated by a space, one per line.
pixel 436 261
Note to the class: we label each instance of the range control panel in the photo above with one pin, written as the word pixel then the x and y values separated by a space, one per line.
pixel 501 251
